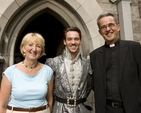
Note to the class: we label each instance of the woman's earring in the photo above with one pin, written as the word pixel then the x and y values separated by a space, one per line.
pixel 24 54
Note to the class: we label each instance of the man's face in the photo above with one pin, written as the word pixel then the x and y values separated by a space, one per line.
pixel 109 29
pixel 72 42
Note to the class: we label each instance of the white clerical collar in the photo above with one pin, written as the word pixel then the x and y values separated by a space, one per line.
pixel 112 45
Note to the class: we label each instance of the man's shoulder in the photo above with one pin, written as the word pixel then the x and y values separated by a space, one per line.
pixel 53 62
pixel 129 42
pixel 55 59
pixel 97 49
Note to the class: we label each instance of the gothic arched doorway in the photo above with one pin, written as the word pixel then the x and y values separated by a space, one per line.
pixel 52 31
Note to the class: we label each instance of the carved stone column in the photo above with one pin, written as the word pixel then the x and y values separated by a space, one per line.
pixel 125 20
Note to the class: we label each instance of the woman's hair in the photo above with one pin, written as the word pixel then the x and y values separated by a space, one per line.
pixel 33 36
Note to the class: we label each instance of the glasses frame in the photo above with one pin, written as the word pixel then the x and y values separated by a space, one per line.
pixel 110 25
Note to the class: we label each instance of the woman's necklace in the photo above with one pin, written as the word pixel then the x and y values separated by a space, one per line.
pixel 30 67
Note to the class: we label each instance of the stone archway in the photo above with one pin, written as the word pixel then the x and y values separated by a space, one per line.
pixel 76 13
pixel 50 28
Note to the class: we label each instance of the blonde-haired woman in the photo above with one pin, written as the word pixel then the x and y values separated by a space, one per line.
pixel 28 85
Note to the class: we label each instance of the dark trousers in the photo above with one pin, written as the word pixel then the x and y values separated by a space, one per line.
pixel 110 109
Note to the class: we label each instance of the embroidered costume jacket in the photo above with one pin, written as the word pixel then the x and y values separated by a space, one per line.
pixel 62 86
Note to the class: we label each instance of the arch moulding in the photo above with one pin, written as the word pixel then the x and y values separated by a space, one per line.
pixel 80 13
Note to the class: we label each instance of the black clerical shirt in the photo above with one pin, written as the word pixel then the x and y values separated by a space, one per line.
pixel 112 72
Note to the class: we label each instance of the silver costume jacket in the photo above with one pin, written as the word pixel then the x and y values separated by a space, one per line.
pixel 62 88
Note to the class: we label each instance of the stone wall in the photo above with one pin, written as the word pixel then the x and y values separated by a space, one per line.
pixel 107 6
pixel 136 19
pixel 135 11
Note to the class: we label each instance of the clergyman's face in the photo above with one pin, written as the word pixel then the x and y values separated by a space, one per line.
pixel 72 41
pixel 109 29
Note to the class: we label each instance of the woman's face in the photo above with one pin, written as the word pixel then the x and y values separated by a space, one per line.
pixel 32 50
